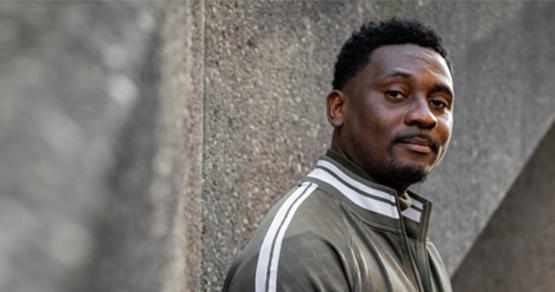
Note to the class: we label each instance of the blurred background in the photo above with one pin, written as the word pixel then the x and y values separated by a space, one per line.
pixel 142 141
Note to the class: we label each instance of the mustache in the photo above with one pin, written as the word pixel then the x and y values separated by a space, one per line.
pixel 402 138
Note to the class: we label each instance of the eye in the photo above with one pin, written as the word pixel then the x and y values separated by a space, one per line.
pixel 438 104
pixel 394 94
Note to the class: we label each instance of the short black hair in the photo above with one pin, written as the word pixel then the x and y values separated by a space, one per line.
pixel 357 50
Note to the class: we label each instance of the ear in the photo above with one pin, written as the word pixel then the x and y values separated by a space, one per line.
pixel 336 105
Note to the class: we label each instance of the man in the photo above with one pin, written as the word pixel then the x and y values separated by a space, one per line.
pixel 352 224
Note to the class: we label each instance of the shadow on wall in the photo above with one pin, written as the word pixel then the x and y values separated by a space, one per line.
pixel 515 250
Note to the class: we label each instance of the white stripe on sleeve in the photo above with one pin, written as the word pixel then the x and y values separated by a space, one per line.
pixel 277 249
pixel 275 234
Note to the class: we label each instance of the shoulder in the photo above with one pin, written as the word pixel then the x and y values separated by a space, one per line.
pixel 301 262
pixel 300 245
pixel 307 209
pixel 312 262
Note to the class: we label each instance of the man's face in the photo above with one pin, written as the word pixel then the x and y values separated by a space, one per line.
pixel 398 114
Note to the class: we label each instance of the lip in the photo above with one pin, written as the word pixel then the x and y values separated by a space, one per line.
pixel 421 145
pixel 418 147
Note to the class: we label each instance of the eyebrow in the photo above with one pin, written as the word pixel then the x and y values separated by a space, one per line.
pixel 438 87
pixel 399 74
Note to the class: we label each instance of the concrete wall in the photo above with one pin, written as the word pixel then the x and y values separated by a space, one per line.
pixel 515 250
pixel 268 69
pixel 143 141
pixel 87 198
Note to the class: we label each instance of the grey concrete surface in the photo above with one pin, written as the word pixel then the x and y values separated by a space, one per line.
pixel 515 250
pixel 265 125
pixel 78 114
pixel 182 128
pixel 268 69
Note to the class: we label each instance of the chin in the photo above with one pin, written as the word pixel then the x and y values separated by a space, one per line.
pixel 408 173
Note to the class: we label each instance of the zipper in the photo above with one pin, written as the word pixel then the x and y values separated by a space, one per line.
pixel 407 247
pixel 421 250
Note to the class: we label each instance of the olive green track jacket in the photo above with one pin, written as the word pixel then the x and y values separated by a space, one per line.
pixel 339 231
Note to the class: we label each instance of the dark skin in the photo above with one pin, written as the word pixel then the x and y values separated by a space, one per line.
pixel 395 113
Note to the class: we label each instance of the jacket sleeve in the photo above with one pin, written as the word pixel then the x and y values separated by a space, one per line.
pixel 305 263
pixel 310 263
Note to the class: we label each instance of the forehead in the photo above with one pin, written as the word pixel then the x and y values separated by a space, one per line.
pixel 411 59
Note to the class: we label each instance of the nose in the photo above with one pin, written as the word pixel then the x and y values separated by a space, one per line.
pixel 420 115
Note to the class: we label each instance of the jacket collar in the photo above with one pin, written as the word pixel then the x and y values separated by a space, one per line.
pixel 373 202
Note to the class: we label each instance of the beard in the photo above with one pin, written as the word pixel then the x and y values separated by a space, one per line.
pixel 405 173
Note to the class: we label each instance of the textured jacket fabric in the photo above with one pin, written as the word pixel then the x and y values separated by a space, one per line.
pixel 339 231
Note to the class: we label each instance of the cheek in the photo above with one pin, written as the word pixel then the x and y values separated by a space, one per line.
pixel 377 138
pixel 445 128
pixel 375 124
